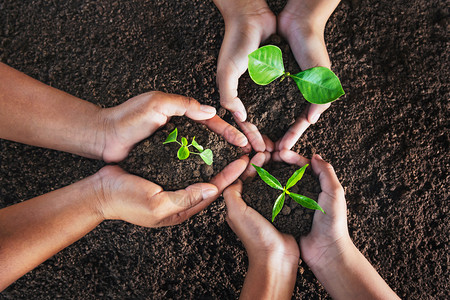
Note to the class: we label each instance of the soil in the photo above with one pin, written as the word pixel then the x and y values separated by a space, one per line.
pixel 388 139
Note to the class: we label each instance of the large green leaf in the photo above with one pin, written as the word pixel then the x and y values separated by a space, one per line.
pixel 207 156
pixel 183 152
pixel 265 64
pixel 278 205
pixel 306 202
pixel 172 137
pixel 318 85
pixel 296 177
pixel 196 145
pixel 267 178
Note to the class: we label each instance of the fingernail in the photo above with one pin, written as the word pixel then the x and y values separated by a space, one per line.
pixel 208 193
pixel 315 118
pixel 207 109
pixel 239 116
pixel 318 156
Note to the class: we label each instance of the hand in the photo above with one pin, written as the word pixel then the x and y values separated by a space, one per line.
pixel 128 123
pixel 247 23
pixel 302 24
pixel 135 200
pixel 329 234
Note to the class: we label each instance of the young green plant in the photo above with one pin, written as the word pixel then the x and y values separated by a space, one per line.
pixel 184 152
pixel 273 182
pixel 318 85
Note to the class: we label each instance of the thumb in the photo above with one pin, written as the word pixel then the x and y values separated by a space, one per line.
pixel 315 110
pixel 177 105
pixel 329 182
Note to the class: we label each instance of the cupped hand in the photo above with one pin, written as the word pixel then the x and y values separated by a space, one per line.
pixel 247 24
pixel 302 24
pixel 261 239
pixel 132 121
pixel 130 198
pixel 329 234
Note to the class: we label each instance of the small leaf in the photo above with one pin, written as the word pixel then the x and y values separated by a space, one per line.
pixel 196 145
pixel 183 153
pixel 267 178
pixel 265 64
pixel 172 137
pixel 278 205
pixel 318 85
pixel 296 177
pixel 207 156
pixel 184 141
pixel 306 202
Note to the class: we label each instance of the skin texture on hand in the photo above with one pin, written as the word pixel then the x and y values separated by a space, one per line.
pixel 273 256
pixel 328 250
pixel 247 24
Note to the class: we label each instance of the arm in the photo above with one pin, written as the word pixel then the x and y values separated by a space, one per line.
pixel 37 114
pixel 328 250
pixel 273 256
pixel 34 230
pixel 302 24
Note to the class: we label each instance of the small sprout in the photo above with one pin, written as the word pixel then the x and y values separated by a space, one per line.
pixel 273 182
pixel 184 152
pixel 318 85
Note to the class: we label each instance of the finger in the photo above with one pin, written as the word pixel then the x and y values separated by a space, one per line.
pixel 276 156
pixel 293 158
pixel 315 110
pixel 268 157
pixel 180 205
pixel 329 183
pixel 250 171
pixel 230 133
pixel 236 206
pixel 230 173
pixel 227 81
pixel 270 146
pixel 253 135
pixel 177 105
pixel 294 133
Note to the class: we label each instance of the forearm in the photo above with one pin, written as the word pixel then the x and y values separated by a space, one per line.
pixel 34 230
pixel 350 276
pixel 36 114
pixel 269 280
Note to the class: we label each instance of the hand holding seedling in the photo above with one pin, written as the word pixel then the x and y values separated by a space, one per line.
pixel 273 256
pixel 328 250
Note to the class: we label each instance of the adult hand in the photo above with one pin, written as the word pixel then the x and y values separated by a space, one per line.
pixel 302 24
pixel 247 23
pixel 273 256
pixel 130 198
pixel 128 123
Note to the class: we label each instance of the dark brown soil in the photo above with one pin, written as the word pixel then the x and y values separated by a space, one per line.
pixel 388 139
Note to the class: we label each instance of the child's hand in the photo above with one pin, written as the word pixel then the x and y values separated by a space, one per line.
pixel 132 121
pixel 247 23
pixel 329 234
pixel 130 198
pixel 302 24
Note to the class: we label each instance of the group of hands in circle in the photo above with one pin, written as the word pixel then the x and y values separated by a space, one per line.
pixel 52 221
pixel 138 201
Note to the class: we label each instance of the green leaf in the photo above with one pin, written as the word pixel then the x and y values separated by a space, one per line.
pixel 196 145
pixel 184 141
pixel 278 205
pixel 306 202
pixel 318 85
pixel 267 178
pixel 172 137
pixel 183 153
pixel 207 156
pixel 296 177
pixel 265 64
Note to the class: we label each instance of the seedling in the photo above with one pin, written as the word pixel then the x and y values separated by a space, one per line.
pixel 184 152
pixel 273 182
pixel 318 85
